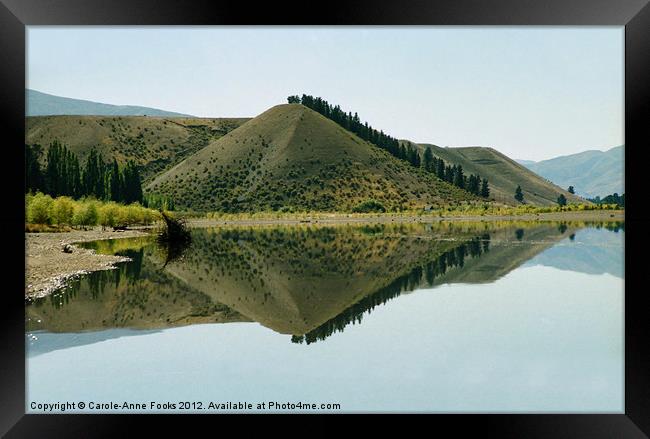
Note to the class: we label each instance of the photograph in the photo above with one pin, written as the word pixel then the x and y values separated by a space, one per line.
pixel 421 211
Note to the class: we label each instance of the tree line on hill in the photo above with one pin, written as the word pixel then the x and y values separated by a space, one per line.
pixel 454 175
pixel 351 122
pixel 62 175
pixel 455 257
pixel 614 198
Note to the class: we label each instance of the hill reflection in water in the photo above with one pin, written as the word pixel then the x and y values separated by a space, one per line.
pixel 308 282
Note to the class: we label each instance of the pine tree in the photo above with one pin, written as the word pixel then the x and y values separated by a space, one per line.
pixel 449 173
pixel 519 195
pixel 459 178
pixel 75 178
pixel 101 182
pixel 485 189
pixel 90 173
pixel 561 200
pixel 440 169
pixel 35 179
pixel 427 161
pixel 116 183
pixel 473 185
pixel 571 190
pixel 53 169
pixel 132 184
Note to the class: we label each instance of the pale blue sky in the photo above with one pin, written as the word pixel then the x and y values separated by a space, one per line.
pixel 530 92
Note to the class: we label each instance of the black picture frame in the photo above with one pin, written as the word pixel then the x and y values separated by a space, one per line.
pixel 633 14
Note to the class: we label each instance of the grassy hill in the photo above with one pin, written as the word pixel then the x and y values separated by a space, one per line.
pixel 591 173
pixel 292 157
pixel 43 104
pixel 155 143
pixel 503 174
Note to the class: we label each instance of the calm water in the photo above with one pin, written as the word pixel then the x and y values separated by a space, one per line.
pixel 488 317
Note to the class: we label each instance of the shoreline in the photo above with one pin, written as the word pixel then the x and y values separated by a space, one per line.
pixel 48 268
pixel 334 219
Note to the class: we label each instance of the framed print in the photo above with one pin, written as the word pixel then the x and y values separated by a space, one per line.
pixel 371 209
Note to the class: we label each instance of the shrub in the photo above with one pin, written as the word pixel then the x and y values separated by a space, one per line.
pixel 85 214
pixel 38 208
pixel 62 210
pixel 134 214
pixel 108 214
pixel 369 206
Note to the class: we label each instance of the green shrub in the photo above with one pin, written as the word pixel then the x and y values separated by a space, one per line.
pixel 369 206
pixel 85 214
pixel 62 210
pixel 38 208
pixel 108 214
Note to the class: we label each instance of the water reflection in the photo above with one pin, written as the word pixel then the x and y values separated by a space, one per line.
pixel 306 282
pixel 590 250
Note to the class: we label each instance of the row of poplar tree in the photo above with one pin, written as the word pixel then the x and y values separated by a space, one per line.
pixel 351 122
pixel 62 175
pixel 454 175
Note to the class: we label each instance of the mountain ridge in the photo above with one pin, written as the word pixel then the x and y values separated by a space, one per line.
pixel 45 104
pixel 592 173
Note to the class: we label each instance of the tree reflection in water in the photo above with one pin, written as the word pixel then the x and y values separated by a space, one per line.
pixel 421 276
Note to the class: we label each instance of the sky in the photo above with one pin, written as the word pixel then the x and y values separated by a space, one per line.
pixel 530 92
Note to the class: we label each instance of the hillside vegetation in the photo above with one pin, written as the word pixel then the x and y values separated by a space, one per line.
pixel 504 175
pixel 154 143
pixel 292 158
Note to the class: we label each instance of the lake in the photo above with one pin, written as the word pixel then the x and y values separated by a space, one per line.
pixel 446 317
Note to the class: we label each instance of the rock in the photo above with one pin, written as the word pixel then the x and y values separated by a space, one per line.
pixel 67 248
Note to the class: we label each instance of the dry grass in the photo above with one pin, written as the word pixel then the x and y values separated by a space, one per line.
pixel 292 159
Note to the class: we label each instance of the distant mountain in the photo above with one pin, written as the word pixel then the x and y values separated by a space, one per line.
pixel 503 174
pixel 43 104
pixel 591 173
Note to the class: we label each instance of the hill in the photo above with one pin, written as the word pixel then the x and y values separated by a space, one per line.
pixel 43 104
pixel 294 158
pixel 591 173
pixel 503 174
pixel 154 143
